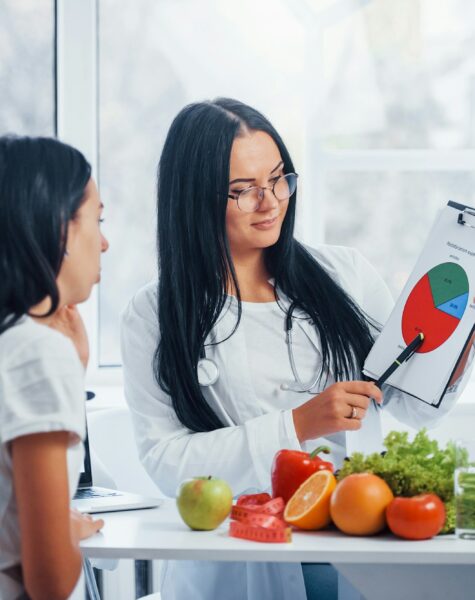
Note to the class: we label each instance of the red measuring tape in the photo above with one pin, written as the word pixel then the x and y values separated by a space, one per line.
pixel 253 499
pixel 274 507
pixel 257 517
pixel 260 534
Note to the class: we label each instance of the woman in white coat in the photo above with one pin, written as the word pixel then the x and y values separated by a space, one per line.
pixel 208 373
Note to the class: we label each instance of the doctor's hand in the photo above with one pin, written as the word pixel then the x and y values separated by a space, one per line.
pixel 341 407
pixel 83 526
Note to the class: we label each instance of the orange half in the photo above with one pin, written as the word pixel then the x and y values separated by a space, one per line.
pixel 309 507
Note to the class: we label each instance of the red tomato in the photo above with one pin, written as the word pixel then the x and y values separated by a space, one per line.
pixel 417 518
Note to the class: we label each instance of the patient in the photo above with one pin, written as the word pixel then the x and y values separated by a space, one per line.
pixel 50 247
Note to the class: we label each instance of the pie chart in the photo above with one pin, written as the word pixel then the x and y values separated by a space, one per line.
pixel 435 306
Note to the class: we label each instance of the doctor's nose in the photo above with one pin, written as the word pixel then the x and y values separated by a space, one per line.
pixel 267 200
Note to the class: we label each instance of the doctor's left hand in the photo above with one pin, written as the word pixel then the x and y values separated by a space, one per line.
pixel 68 321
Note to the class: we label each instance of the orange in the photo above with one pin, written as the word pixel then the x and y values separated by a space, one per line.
pixel 309 507
pixel 359 502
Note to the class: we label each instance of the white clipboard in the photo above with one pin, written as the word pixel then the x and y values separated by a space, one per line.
pixel 439 301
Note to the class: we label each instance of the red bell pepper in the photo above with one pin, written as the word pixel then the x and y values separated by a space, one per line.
pixel 292 467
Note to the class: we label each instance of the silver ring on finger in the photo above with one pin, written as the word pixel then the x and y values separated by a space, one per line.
pixel 354 412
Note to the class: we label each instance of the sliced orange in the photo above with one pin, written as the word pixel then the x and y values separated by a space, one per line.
pixel 309 507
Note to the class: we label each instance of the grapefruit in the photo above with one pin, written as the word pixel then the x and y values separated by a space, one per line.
pixel 359 503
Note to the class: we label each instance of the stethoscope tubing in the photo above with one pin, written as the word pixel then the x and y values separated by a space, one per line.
pixel 208 370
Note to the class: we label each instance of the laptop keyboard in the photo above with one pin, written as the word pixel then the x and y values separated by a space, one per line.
pixel 94 493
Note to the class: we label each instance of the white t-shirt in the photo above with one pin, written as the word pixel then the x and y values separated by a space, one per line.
pixel 41 390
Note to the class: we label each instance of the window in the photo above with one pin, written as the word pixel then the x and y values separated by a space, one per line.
pixel 374 99
pixel 153 62
pixel 27 67
pixel 397 125
pixel 387 215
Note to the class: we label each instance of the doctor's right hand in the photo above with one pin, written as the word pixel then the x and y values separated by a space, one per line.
pixel 341 407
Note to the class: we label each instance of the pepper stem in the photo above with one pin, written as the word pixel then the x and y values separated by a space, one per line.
pixel 317 451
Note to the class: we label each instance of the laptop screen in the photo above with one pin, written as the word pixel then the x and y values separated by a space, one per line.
pixel 85 477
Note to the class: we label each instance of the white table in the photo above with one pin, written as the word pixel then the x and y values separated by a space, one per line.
pixel 380 567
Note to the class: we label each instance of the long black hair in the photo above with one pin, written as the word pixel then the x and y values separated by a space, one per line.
pixel 42 185
pixel 195 263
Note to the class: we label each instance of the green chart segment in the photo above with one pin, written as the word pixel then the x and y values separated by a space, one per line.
pixel 436 305
pixel 447 281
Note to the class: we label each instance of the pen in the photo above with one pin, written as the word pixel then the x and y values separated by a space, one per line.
pixel 402 358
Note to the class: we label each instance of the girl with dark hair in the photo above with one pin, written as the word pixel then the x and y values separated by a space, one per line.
pixel 50 247
pixel 250 342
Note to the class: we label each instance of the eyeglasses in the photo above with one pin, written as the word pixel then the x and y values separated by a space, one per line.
pixel 250 198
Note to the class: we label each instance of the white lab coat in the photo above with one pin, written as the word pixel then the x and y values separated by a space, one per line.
pixel 242 454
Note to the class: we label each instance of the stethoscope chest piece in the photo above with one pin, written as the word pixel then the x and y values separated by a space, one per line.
pixel 207 371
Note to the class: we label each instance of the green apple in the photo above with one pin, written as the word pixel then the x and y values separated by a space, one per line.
pixel 204 502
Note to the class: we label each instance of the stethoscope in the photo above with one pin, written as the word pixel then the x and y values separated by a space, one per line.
pixel 208 371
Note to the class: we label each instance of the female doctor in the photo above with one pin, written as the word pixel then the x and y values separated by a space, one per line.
pixel 249 342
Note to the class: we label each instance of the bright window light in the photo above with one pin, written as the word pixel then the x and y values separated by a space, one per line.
pixel 374 98
pixel 27 80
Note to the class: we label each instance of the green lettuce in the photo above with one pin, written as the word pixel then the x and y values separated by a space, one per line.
pixel 411 468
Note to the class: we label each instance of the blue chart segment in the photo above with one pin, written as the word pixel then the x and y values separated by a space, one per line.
pixel 456 306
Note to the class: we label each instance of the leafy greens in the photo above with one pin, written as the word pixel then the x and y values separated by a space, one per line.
pixel 411 468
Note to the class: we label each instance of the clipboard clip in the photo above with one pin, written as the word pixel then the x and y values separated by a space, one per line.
pixel 467 217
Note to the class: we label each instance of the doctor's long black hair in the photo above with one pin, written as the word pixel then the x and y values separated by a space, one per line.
pixel 195 264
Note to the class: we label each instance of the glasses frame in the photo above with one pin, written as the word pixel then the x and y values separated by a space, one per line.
pixel 261 190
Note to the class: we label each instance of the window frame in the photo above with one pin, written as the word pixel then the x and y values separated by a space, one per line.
pixel 77 124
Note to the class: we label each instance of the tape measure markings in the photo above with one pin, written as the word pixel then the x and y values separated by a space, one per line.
pixel 260 534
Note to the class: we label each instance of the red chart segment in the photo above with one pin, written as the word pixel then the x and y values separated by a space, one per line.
pixel 420 315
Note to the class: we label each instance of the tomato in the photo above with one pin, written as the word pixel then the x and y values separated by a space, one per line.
pixel 417 518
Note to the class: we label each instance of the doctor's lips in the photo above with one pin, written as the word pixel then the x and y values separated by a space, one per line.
pixel 265 224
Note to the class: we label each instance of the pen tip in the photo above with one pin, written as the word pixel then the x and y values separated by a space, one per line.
pixel 421 335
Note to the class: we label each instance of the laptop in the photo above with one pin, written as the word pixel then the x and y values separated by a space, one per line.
pixel 92 499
